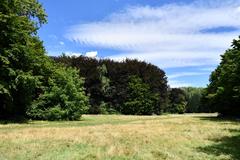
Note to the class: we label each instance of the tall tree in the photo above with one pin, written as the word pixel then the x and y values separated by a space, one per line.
pixel 26 73
pixel 21 52
pixel 223 92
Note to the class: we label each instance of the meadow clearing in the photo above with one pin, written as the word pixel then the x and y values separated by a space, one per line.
pixel 105 137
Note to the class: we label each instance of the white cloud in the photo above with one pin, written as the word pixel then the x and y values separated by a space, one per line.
pixel 165 33
pixel 177 84
pixel 75 54
pixel 207 69
pixel 172 35
pixel 61 43
pixel 184 74
pixel 92 54
pixel 171 59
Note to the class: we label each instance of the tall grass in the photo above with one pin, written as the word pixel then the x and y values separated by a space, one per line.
pixel 173 137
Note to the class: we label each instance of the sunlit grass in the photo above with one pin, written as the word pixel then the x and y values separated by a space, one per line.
pixel 175 137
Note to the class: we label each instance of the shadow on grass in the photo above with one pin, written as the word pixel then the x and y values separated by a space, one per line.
pixel 15 121
pixel 227 145
pixel 219 119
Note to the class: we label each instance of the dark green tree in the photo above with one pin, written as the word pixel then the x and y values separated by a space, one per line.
pixel 140 100
pixel 21 54
pixel 223 92
pixel 117 76
pixel 177 101
pixel 105 105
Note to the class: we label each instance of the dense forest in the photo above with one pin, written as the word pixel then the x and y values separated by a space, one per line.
pixel 36 86
pixel 131 87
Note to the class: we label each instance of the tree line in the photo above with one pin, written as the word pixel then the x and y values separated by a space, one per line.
pixel 35 86
pixel 128 87
pixel 131 87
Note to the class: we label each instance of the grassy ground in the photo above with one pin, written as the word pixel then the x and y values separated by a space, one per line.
pixel 173 137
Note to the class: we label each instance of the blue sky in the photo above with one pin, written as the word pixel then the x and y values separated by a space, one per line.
pixel 185 38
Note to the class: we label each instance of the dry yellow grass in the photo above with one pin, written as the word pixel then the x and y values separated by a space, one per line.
pixel 172 137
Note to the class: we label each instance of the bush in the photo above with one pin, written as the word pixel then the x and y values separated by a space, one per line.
pixel 54 113
pixel 64 97
pixel 180 108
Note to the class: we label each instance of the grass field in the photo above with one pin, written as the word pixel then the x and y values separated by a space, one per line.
pixel 105 137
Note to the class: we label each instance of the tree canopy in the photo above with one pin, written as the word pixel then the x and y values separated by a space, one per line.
pixel 107 81
pixel 177 101
pixel 193 98
pixel 26 73
pixel 223 93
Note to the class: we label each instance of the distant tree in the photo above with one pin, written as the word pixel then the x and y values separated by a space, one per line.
pixel 140 100
pixel 177 101
pixel 116 76
pixel 105 82
pixel 119 72
pixel 223 92
pixel 100 105
pixel 193 98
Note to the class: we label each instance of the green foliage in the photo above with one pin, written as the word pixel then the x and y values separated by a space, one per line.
pixel 106 108
pixel 100 91
pixel 223 92
pixel 64 95
pixel 177 101
pixel 179 108
pixel 107 81
pixel 30 83
pixel 193 98
pixel 140 99
pixel 53 113
pixel 20 54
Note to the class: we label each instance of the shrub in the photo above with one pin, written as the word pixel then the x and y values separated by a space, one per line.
pixel 64 98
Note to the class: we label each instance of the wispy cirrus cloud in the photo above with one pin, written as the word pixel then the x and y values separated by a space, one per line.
pixel 174 81
pixel 184 74
pixel 173 35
